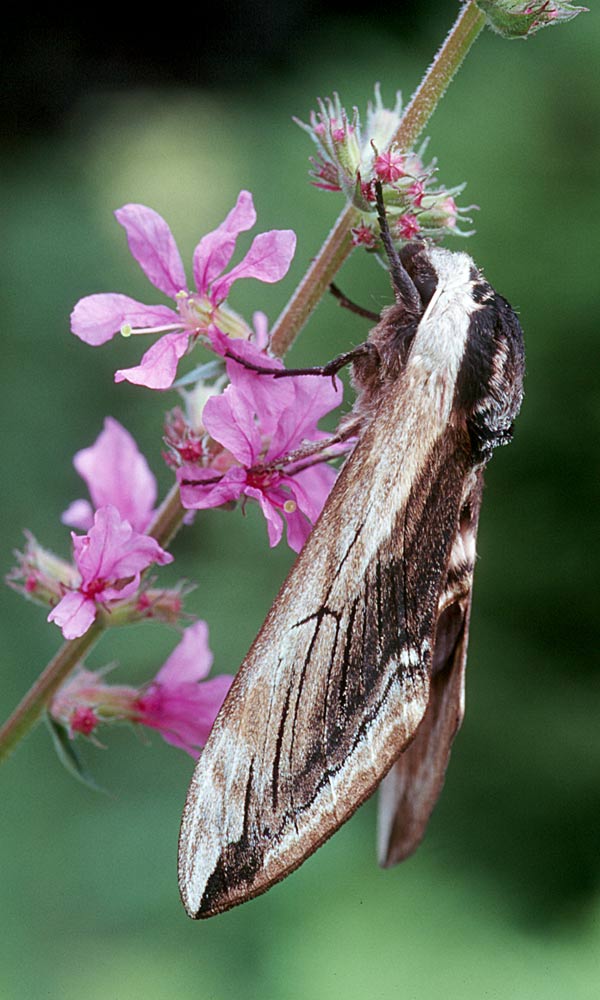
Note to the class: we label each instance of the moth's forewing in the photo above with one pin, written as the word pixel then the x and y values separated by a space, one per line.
pixel 337 680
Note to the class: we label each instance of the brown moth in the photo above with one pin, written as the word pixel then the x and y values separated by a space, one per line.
pixel 357 674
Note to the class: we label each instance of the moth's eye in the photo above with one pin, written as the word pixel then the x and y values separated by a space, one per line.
pixel 422 273
pixel 426 283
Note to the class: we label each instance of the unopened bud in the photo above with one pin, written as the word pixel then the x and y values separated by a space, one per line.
pixel 438 213
pixel 40 575
pixel 518 19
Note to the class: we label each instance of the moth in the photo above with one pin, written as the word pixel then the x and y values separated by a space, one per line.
pixel 356 678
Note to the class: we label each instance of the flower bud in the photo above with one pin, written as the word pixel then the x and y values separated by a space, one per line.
pixel 40 575
pixel 518 19
pixel 438 212
pixel 86 700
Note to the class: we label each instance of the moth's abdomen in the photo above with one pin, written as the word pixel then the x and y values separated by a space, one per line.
pixel 489 387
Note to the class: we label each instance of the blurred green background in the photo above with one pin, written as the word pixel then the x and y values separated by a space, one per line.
pixel 502 900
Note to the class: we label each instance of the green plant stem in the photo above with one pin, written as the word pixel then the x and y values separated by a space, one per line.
pixel 338 244
pixel 311 289
pixel 34 703
pixel 438 77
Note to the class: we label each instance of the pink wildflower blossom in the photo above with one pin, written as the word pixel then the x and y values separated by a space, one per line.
pixel 84 720
pixel 416 192
pixel 260 421
pixel 408 226
pixel 97 318
pixel 116 473
pixel 110 553
pixel 363 236
pixel 178 702
pixel 389 167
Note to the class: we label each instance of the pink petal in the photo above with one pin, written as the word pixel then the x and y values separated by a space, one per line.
pixel 201 489
pixel 214 251
pixel 268 259
pixel 311 487
pixel 121 593
pixel 267 397
pixel 261 329
pixel 298 529
pixel 313 397
pixel 184 715
pixel 97 318
pixel 230 420
pixel 158 367
pixel 191 660
pixel 112 550
pixel 79 514
pixel 272 515
pixel 152 244
pixel 116 473
pixel 73 614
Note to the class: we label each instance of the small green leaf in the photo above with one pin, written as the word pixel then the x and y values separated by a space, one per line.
pixel 68 756
pixel 209 370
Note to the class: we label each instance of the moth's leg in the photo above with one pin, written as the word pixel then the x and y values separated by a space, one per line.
pixel 315 451
pixel 347 303
pixel 363 351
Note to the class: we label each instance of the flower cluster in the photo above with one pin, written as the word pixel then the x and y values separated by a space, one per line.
pixel 245 431
pixel 351 158
pixel 241 443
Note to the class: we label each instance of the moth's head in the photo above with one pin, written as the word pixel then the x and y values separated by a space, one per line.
pixel 430 269
pixel 421 272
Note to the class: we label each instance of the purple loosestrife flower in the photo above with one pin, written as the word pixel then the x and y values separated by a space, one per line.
pixel 116 473
pixel 261 421
pixel 178 702
pixel 97 318
pixel 111 552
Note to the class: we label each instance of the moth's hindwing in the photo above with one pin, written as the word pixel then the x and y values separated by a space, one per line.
pixel 337 680
pixel 411 788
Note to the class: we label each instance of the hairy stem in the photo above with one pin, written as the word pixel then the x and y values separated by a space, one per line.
pixel 338 244
pixel 34 703
pixel 438 77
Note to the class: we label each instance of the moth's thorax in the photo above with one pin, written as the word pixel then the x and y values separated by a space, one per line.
pixel 442 333
pixel 422 353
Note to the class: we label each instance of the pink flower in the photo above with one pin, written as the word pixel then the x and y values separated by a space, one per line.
pixel 97 318
pixel 364 236
pixel 389 167
pixel 416 192
pixel 179 702
pixel 408 226
pixel 111 552
pixel 116 473
pixel 260 421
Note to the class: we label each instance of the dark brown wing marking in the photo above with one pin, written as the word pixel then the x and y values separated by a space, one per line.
pixel 412 787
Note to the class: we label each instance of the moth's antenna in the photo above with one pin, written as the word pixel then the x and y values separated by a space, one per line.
pixel 401 280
